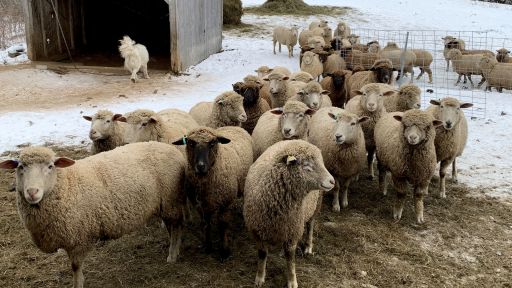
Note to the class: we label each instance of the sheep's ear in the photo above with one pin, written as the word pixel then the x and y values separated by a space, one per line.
pixel 357 92
pixel 9 164
pixel 387 93
pixel 220 102
pixel 398 117
pixel 122 119
pixel 332 115
pixel 88 118
pixel 310 112
pixel 324 92
pixel 290 160
pixel 116 117
pixel 437 123
pixel 152 119
pixel 270 70
pixel 266 79
pixel 181 141
pixel 363 119
pixel 63 162
pixel 277 111
pixel 329 74
pixel 435 102
pixel 466 105
pixel 223 140
pixel 285 78
pixel 311 79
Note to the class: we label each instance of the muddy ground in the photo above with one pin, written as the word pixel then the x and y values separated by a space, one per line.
pixel 466 242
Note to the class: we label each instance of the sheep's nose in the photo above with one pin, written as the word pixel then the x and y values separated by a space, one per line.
pixel 418 106
pixel 339 137
pixel 32 192
pixel 242 117
pixel 314 104
pixel 331 181
pixel 413 138
pixel 448 124
pixel 287 130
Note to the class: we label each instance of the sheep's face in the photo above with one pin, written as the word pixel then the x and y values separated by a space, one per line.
pixel 295 31
pixel 103 127
pixel 251 95
pixel 412 100
pixel 502 55
pixel 293 124
pixel 145 129
pixel 416 132
pixel 263 71
pixel 237 87
pixel 338 79
pixel 308 171
pixel 313 99
pixel 232 109
pixel 277 84
pixel 35 179
pixel 372 100
pixel 353 39
pixel 448 39
pixel 347 128
pixel 449 112
pixel 374 48
pixel 382 74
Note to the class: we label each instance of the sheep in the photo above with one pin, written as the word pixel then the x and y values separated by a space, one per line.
pixel 423 61
pixel 265 88
pixel 333 63
pixel 327 34
pixel 407 97
pixel 313 95
pixel 311 64
pixel 381 72
pixel 178 118
pixel 316 43
pixel 305 35
pixel 280 89
pixel 397 56
pixel 498 75
pixel 405 147
pixel 70 205
pixel 226 110
pixel 451 42
pixel 297 86
pixel 354 43
pixel 281 196
pixel 354 58
pixel 285 36
pixel 451 136
pixel 335 84
pixel 263 71
pixel 370 102
pixel 108 131
pixel 283 70
pixel 254 106
pixel 301 76
pixel 135 56
pixel 215 175
pixel 337 43
pixel 373 47
pixel 291 122
pixel 342 30
pixel 466 65
pixel 318 24
pixel 503 55
pixel 339 136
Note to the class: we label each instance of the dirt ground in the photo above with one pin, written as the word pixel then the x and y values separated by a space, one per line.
pixel 466 242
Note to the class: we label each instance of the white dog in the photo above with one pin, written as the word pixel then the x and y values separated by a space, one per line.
pixel 135 56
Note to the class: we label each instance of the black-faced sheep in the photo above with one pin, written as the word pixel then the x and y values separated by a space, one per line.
pixel 135 56
pixel 281 196
pixel 335 84
pixel 370 102
pixel 226 110
pixel 451 137
pixel 405 147
pixel 381 72
pixel 339 136
pixel 289 122
pixel 71 205
pixel 108 131
pixel 218 161
pixel 254 106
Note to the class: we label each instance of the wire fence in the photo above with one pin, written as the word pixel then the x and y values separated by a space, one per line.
pixel 444 82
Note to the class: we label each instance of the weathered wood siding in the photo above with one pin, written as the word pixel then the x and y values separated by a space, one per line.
pixel 196 31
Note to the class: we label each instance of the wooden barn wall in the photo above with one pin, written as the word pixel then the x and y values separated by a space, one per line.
pixel 196 31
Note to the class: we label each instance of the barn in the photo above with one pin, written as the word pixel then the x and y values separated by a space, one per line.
pixel 177 33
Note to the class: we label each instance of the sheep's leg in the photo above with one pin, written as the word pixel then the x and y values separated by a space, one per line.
pixel 336 197
pixel 471 81
pixel 383 179
pixel 134 76
pixel 369 159
pixel 465 79
pixel 412 75
pixel 279 47
pixel 500 89
pixel 344 185
pixel 447 65
pixel 175 231
pixel 418 203
pixel 274 43
pixel 290 51
pixel 207 228
pixel 262 263
pixel 310 225
pixel 454 171
pixel 442 177
pixel 289 252
pixel 422 71
pixel 225 221
pixel 401 191
pixel 144 69
pixel 458 80
pixel 429 72
pixel 481 82
pixel 77 267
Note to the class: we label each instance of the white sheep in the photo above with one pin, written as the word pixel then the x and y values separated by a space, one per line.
pixel 301 76
pixel 502 55
pixel 342 30
pixel 466 65
pixel 408 96
pixel 311 64
pixel 108 131
pixel 313 95
pixel 498 75
pixel 318 24
pixel 280 89
pixel 135 56
pixel 405 147
pixel 71 205
pixel 285 36
pixel 397 55
pixel 226 110
pixel 451 137
pixel 281 197
pixel 339 136
pixel 423 60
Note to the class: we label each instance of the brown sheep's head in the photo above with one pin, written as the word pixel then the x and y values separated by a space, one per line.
pixel 230 106
pixel 372 96
pixel 418 126
pixel 502 54
pixel 251 93
pixel 237 87
pixel 202 146
pixel 338 78
pixel 449 111
pixel 411 95
pixel 383 70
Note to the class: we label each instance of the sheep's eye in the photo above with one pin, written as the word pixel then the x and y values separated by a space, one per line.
pixel 353 123
pixel 21 167
pixel 301 115
pixel 144 124
pixel 442 106
pixel 211 144
pixel 284 115
pixel 458 108
pixel 108 121
pixel 50 167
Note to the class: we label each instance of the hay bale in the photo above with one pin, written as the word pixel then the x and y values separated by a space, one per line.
pixel 232 12
pixel 285 5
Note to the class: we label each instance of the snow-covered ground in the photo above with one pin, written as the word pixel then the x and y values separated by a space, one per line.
pixel 485 164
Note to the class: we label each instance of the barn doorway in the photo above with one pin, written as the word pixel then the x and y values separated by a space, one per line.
pixel 106 21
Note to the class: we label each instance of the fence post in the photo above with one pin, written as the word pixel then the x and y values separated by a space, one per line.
pixel 402 56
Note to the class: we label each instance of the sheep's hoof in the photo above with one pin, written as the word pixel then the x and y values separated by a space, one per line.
pixel 419 219
pixel 133 80
pixel 344 204
pixel 397 214
pixel 442 195
pixel 172 259
pixel 293 284
pixel 225 254
pixel 308 251
pixel 258 282
pixel 336 208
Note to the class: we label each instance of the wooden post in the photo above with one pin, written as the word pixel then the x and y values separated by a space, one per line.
pixel 175 52
pixel 71 24
pixel 56 14
pixel 43 30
